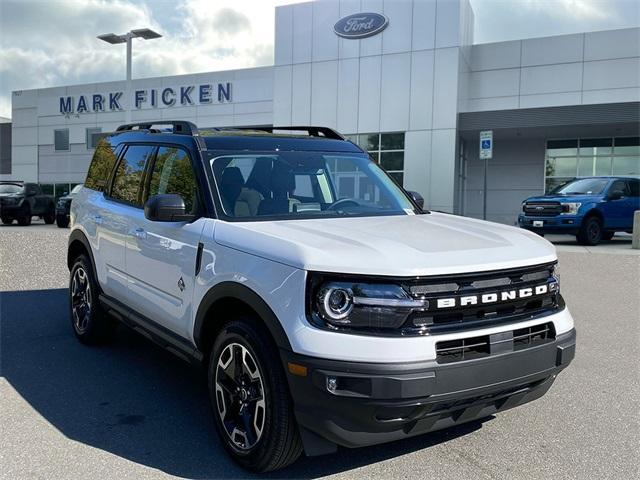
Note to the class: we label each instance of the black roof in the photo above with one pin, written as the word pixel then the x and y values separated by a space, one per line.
pixel 251 139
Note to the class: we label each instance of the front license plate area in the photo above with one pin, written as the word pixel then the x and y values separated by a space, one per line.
pixel 538 223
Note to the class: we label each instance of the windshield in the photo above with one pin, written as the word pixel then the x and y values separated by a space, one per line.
pixel 584 186
pixel 76 189
pixel 10 188
pixel 290 185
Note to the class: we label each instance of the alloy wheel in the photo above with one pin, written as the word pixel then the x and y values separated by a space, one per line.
pixel 240 396
pixel 81 300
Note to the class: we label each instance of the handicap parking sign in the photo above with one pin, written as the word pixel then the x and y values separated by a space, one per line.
pixel 486 144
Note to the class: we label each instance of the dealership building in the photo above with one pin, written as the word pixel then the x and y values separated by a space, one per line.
pixel 404 80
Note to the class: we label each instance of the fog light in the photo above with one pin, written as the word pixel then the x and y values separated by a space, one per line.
pixel 332 384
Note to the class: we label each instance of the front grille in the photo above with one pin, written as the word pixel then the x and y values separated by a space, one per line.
pixel 533 336
pixel 542 209
pixel 482 346
pixel 456 302
pixel 463 349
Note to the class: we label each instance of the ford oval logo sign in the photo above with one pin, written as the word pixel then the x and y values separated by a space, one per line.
pixel 360 25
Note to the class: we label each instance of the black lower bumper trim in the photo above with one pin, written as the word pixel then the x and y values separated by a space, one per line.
pixel 358 404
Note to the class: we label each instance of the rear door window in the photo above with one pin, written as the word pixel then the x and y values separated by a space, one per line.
pixel 634 188
pixel 127 180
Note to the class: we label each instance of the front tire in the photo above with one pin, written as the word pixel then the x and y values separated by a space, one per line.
pixel 250 398
pixel 24 220
pixel 62 221
pixel 590 233
pixel 7 220
pixel 90 323
pixel 50 216
pixel 608 235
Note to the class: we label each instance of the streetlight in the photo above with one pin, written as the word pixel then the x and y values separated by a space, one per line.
pixel 113 39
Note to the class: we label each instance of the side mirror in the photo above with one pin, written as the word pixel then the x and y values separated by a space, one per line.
pixel 417 198
pixel 167 207
pixel 615 195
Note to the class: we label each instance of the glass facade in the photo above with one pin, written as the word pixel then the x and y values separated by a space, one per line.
pixel 585 157
pixel 386 149
pixel 57 189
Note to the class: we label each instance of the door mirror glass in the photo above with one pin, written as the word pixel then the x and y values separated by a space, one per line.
pixel 417 198
pixel 167 207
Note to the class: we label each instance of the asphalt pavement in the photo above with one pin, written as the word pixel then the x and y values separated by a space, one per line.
pixel 132 410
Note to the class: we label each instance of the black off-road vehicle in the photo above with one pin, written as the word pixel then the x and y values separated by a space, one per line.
pixel 21 201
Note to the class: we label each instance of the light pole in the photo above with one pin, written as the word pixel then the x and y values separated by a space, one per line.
pixel 113 39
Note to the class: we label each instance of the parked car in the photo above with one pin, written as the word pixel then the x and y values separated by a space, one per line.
pixel 592 208
pixel 324 317
pixel 63 207
pixel 22 200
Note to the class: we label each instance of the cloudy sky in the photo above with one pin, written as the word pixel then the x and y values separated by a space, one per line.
pixel 47 43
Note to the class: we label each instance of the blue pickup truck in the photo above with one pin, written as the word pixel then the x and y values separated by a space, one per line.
pixel 591 208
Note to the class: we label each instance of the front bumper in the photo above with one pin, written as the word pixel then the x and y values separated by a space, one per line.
pixel 11 209
pixel 377 403
pixel 565 224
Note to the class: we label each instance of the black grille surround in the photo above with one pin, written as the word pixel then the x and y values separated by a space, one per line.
pixel 433 320
pixel 542 209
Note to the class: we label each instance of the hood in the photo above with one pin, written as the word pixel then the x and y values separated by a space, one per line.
pixel 66 198
pixel 565 198
pixel 406 246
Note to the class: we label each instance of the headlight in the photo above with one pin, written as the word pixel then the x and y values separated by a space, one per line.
pixel 570 208
pixel 363 305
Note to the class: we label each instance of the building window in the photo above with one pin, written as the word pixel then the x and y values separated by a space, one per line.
pixel 47 188
pixel 386 149
pixel 92 137
pixel 585 157
pixel 61 139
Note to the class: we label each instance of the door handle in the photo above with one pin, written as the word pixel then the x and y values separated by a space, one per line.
pixel 139 233
pixel 97 219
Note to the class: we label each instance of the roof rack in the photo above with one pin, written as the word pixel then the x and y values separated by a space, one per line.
pixel 325 132
pixel 179 127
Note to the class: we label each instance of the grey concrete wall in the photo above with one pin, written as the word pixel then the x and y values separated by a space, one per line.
pixel 69 166
pixel 5 148
pixel 515 173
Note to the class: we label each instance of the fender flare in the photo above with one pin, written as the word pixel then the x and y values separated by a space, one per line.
pixel 244 294
pixel 78 235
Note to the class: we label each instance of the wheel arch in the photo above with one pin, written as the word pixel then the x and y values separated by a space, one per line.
pixel 236 298
pixel 78 244
pixel 594 212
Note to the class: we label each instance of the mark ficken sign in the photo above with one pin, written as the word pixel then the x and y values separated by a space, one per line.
pixel 204 94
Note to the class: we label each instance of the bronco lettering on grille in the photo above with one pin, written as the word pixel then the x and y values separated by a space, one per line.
pixel 494 297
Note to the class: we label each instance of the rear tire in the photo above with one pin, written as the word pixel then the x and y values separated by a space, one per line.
pixel 24 220
pixel 90 322
pixel 62 221
pixel 7 221
pixel 249 393
pixel 590 233
pixel 50 216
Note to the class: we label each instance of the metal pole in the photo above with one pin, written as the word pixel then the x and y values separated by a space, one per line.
pixel 484 195
pixel 128 88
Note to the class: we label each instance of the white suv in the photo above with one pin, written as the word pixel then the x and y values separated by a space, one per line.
pixel 328 306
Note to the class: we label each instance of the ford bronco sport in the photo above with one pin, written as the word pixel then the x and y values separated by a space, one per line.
pixel 329 308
